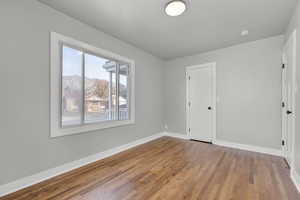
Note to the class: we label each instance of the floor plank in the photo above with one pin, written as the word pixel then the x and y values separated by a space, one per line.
pixel 170 168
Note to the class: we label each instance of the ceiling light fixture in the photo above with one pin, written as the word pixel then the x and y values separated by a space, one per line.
pixel 175 8
pixel 244 32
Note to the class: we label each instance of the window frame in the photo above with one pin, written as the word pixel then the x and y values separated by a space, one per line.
pixel 57 43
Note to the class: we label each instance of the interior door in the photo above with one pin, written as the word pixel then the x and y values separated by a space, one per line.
pixel 288 96
pixel 200 83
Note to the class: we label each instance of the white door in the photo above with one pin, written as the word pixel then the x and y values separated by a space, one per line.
pixel 201 104
pixel 288 97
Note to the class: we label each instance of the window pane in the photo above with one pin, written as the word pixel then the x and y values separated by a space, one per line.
pixel 100 89
pixel 123 93
pixel 71 86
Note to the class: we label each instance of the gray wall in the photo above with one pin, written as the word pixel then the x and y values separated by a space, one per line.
pixel 248 88
pixel 25 146
pixel 295 24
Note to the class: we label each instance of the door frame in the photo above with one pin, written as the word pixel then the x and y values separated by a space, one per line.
pixel 213 65
pixel 292 36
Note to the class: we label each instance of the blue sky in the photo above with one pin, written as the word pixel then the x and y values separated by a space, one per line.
pixel 93 65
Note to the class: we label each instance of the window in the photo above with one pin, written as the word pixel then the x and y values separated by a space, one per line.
pixel 90 88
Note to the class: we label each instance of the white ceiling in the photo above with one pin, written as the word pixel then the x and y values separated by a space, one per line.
pixel 206 25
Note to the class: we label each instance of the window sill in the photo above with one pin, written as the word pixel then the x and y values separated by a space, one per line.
pixel 59 132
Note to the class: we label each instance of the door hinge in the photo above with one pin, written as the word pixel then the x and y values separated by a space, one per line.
pixel 282 142
pixel 283 104
pixel 189 77
pixel 283 66
pixel 189 104
pixel 189 129
pixel 289 112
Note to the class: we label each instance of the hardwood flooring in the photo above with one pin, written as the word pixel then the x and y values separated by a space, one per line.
pixel 171 169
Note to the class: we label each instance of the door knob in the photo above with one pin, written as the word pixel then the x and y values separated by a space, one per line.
pixel 289 112
pixel 209 108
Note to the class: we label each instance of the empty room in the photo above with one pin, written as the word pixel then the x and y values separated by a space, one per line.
pixel 150 100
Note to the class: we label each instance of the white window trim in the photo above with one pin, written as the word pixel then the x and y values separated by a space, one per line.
pixel 55 127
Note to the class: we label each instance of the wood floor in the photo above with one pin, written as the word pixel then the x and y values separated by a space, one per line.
pixel 172 169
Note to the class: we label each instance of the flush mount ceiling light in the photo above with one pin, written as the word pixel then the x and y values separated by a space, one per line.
pixel 244 33
pixel 175 8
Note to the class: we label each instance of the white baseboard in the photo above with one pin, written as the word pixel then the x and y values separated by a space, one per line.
pixel 295 178
pixel 44 175
pixel 176 135
pixel 275 152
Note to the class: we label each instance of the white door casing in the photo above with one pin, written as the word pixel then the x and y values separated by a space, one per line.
pixel 289 89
